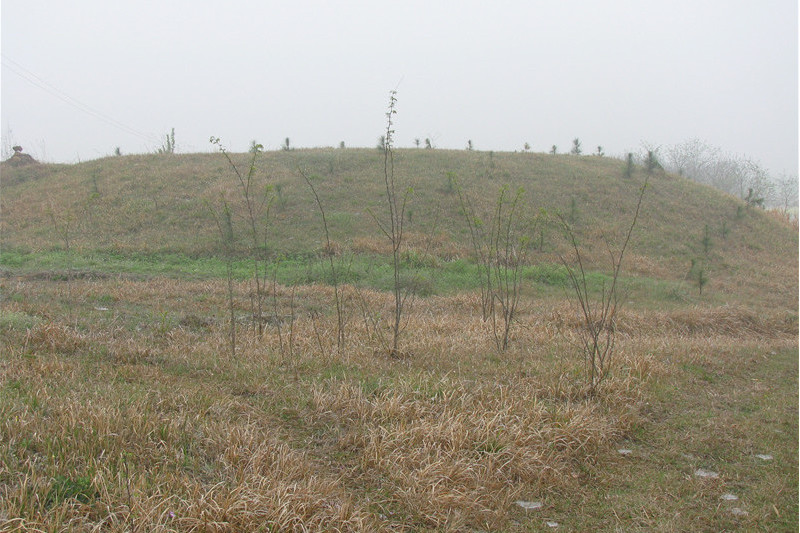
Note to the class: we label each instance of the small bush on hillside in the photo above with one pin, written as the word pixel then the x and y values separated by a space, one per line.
pixel 753 200
pixel 450 183
pixel 169 144
pixel 576 147
pixel 706 240
pixel 651 162
pixel 629 166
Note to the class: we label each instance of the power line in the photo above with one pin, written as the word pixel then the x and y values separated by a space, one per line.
pixel 38 82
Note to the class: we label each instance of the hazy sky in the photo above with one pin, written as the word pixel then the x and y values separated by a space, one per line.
pixel 80 78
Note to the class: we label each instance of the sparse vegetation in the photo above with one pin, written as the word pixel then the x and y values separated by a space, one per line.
pixel 599 315
pixel 706 240
pixel 629 166
pixel 500 249
pixel 130 412
pixel 393 227
pixel 257 198
pixel 168 147
pixel 224 219
pixel 651 162
pixel 330 251
pixel 702 279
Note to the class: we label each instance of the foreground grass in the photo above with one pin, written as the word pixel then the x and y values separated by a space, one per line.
pixel 713 407
pixel 132 415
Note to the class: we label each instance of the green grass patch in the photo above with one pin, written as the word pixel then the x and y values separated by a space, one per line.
pixel 17 320
pixel 423 276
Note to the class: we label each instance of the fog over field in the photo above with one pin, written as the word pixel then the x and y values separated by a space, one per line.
pixel 83 78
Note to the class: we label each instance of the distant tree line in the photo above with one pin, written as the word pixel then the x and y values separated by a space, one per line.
pixel 738 175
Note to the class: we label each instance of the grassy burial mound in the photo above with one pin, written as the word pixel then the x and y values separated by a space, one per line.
pixel 154 206
pixel 149 382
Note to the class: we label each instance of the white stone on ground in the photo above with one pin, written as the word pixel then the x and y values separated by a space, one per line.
pixel 729 497
pixel 764 457
pixel 706 473
pixel 529 506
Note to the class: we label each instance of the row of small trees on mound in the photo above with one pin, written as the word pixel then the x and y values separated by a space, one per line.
pixel 499 242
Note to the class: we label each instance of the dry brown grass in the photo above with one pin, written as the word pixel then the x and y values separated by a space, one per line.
pixel 143 413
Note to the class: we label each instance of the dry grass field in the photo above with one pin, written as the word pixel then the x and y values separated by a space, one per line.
pixel 122 407
pixel 135 417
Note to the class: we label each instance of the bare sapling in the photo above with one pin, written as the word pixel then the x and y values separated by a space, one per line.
pixel 598 314
pixel 257 199
pixel 224 221
pixel 393 228
pixel 500 250
pixel 480 249
pixel 285 337
pixel 509 254
pixel 341 322
pixel 65 224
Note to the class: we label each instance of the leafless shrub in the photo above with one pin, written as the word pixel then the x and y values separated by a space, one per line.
pixel 599 315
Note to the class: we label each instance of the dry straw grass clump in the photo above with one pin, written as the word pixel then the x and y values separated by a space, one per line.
pixel 728 321
pixel 113 457
pixel 453 452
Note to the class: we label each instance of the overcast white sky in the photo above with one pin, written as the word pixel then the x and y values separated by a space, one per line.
pixel 80 78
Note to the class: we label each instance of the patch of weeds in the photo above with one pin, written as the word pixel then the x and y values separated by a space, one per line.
pixel 106 299
pixel 676 294
pixel 554 275
pixel 14 384
pixel 336 371
pixel 196 323
pixel 490 446
pixel 12 259
pixel 418 284
pixel 415 259
pixel 17 320
pixel 64 488
pixel 15 297
pixel 494 358
pixel 290 416
pixel 163 322
pixel 699 372
pixel 371 386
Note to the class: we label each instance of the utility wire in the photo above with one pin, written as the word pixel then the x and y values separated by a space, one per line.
pixel 38 82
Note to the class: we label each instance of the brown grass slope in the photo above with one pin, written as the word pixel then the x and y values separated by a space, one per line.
pixel 156 203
